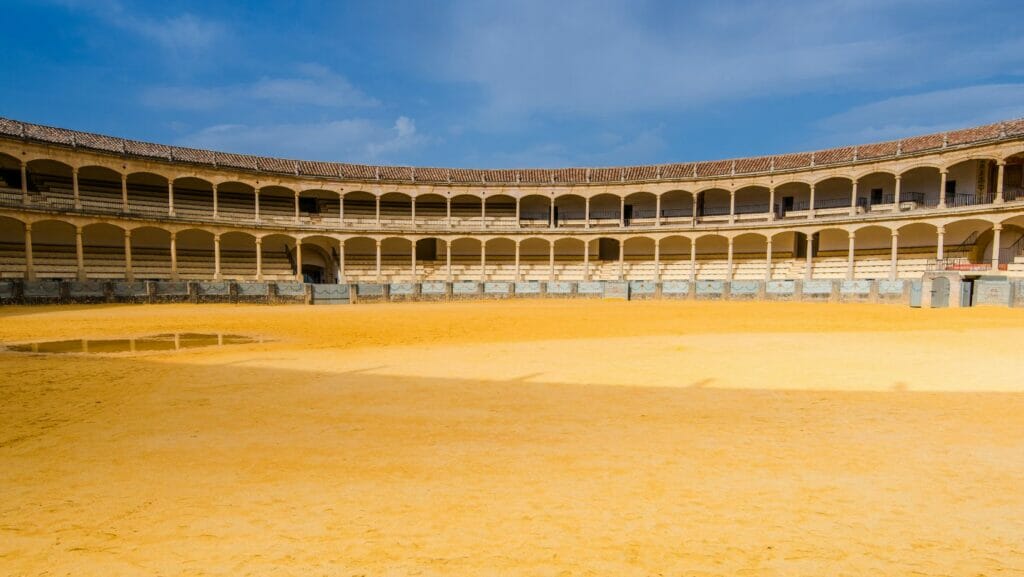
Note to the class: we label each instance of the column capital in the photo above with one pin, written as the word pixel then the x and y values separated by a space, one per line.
pixel 852 236
pixel 897 177
pixel 28 227
pixel 74 170
pixel 216 237
pixel 127 233
pixel 174 235
pixel 895 233
pixel 1001 162
pixel 997 227
pixel 259 241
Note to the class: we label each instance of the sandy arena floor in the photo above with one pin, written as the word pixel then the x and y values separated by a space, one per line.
pixel 544 438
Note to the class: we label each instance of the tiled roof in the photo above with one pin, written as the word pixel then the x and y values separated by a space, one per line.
pixel 717 168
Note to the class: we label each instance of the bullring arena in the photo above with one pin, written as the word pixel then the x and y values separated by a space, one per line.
pixel 800 364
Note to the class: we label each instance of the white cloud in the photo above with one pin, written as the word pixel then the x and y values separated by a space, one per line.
pixel 350 140
pixel 183 32
pixel 926 112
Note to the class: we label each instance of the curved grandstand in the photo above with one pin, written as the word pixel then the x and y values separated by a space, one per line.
pixel 80 206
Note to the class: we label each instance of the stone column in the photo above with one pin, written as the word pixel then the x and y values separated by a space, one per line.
pixel 170 197
pixel 298 260
pixel 732 206
pixel 894 255
pixel 30 269
pixel 853 198
pixel 341 209
pixel 808 270
pixel 448 259
pixel 693 215
pixel 586 209
pixel 257 204
pixel 996 230
pixel 693 261
pixel 216 208
pixel 259 258
pixel 811 206
pixel 124 193
pixel 517 212
pixel 174 256
pixel 79 253
pixel 448 212
pixel 412 276
pixel 851 255
pixel 657 260
pixel 771 203
pixel 728 261
pixel 1000 169
pixel 377 205
pixel 24 182
pixel 622 213
pixel 551 260
pixel 413 216
pixel 515 276
pixel 74 188
pixel 296 207
pixel 896 194
pixel 657 210
pixel 341 261
pixel 483 212
pixel 940 244
pixel 378 260
pixel 768 259
pixel 129 275
pixel 943 176
pixel 622 259
pixel 551 213
pixel 216 257
pixel 483 261
pixel 586 260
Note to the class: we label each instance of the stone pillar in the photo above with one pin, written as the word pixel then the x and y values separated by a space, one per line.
pixel 894 254
pixel 483 261
pixel 693 261
pixel 728 261
pixel 79 253
pixel 216 208
pixel 377 205
pixel 515 276
pixel 1000 169
pixel 257 204
pixel 170 197
pixel 412 276
pixel 622 213
pixel 622 259
pixel 24 182
pixel 448 213
pixel 896 195
pixel 448 259
pixel 216 257
pixel 298 260
pixel 124 193
pixel 586 260
pixel 586 209
pixel 341 261
pixel 943 176
pixel 518 212
pixel 129 275
pixel 483 212
pixel 808 270
pixel 693 215
pixel 378 259
pixel 850 256
pixel 341 209
pixel 174 256
pixel 657 211
pixel 551 214
pixel 996 230
pixel 811 206
pixel 732 206
pixel 74 188
pixel 551 260
pixel 30 269
pixel 771 203
pixel 853 198
pixel 940 244
pixel 259 258
pixel 657 260
pixel 296 207
pixel 413 216
pixel 768 259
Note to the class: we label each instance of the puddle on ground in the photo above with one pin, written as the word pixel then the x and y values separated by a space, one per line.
pixel 161 342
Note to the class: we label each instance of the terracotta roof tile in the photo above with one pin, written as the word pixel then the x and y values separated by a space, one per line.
pixel 535 175
pixel 752 165
pixel 877 150
pixel 918 143
pixel 645 172
pixel 714 168
pixel 193 155
pixel 975 134
pixel 235 160
pixel 10 127
pixel 48 134
pixel 280 165
pixel 99 142
pixel 360 171
pixel 605 174
pixel 465 175
pixel 316 168
pixel 431 174
pixel 147 149
pixel 570 175
pixel 501 175
pixel 678 170
pixel 1015 127
pixel 401 173
pixel 791 161
pixel 834 155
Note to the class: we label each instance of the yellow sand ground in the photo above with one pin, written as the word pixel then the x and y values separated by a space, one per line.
pixel 518 438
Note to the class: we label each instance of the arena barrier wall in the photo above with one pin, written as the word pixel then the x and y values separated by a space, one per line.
pixel 988 290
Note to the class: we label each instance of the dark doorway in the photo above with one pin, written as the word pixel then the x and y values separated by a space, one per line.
pixel 312 274
pixel 309 205
pixel 627 213
pixel 876 196
pixel 787 204
pixel 966 292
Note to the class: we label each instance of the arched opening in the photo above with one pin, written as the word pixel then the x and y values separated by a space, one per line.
pixel 277 204
pixel 278 257
pixel 103 251
pixel 676 207
pixel 151 253
pixel 395 209
pixel 236 201
pixel 569 259
pixel 360 209
pixel 570 210
pixel 534 259
pixel 501 258
pixel 360 258
pixel 1012 243
pixel 919 187
pixel 873 249
pixel 396 259
pixel 534 211
pixel 50 183
pixel 713 205
pixel 501 211
pixel 752 203
pixel 794 199
pixel 1013 178
pixel 638 256
pixel 674 252
pixel 193 197
pixel 431 210
pixel 237 256
pixel 604 258
pixel 195 254
pixel 99 189
pixel 54 250
pixel 712 257
pixel 971 182
pixel 12 247
pixel 10 180
pixel 640 209
pixel 466 211
pixel 466 259
pixel 319 259
pixel 831 253
pixel 604 210
pixel 749 251
pixel 783 254
pixel 832 196
pixel 318 206
pixel 879 188
pixel 147 194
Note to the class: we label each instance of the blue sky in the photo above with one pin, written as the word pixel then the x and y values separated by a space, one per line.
pixel 512 84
